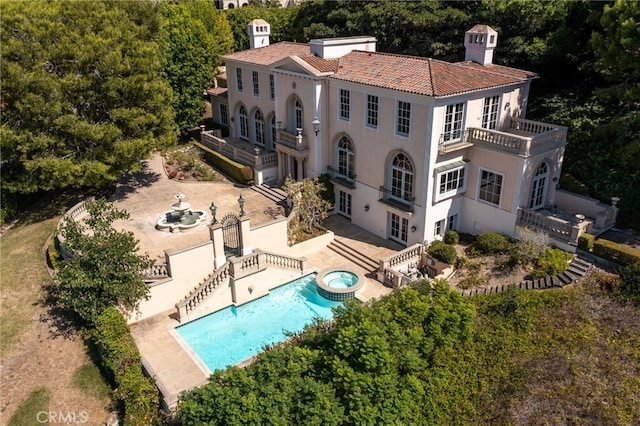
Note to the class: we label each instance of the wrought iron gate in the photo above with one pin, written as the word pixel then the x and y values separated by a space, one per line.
pixel 231 234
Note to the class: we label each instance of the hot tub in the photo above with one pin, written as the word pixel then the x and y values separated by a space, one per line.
pixel 338 284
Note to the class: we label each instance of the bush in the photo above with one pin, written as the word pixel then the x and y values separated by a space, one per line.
pixel 618 253
pixel 53 254
pixel 466 238
pixel 327 193
pixel 491 243
pixel 121 358
pixel 451 237
pixel 442 252
pixel 585 242
pixel 552 262
pixel 630 282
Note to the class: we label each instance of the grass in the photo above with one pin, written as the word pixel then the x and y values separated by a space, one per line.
pixel 27 413
pixel 89 379
pixel 23 273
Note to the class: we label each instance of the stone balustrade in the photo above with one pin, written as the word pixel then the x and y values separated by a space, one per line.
pixel 298 141
pixel 207 287
pixel 389 269
pixel 255 157
pixel 158 271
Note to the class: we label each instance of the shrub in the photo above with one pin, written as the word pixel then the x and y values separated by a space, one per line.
pixel 327 193
pixel 120 356
pixel 472 280
pixel 53 253
pixel 608 282
pixel 229 167
pixel 618 253
pixel 442 252
pixel 585 242
pixel 451 237
pixel 466 238
pixel 630 282
pixel 552 262
pixel 491 243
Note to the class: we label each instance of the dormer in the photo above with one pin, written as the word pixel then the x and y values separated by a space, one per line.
pixel 479 43
pixel 259 31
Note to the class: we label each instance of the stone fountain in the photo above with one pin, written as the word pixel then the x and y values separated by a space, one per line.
pixel 180 217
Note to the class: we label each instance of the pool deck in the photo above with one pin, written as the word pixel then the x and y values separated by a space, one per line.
pixel 150 193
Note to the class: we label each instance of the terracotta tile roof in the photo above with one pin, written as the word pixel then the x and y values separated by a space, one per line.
pixel 218 91
pixel 270 54
pixel 321 64
pixel 423 76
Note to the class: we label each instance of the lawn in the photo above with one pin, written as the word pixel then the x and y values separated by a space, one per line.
pixel 44 367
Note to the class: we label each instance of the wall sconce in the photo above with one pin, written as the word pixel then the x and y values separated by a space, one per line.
pixel 213 209
pixel 241 203
pixel 555 179
pixel 366 207
pixel 414 228
pixel 316 125
pixel 507 105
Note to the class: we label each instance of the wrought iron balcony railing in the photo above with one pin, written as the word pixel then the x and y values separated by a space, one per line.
pixel 402 201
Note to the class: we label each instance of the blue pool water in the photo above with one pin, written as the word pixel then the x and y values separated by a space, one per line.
pixel 234 334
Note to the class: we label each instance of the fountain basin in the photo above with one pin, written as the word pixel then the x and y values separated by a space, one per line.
pixel 174 221
pixel 338 284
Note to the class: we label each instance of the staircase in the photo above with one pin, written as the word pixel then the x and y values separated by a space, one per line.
pixel 577 269
pixel 353 255
pixel 276 195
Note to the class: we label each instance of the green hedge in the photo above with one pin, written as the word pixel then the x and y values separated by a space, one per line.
pixel 491 243
pixel 121 358
pixel 585 242
pixel 618 253
pixel 236 171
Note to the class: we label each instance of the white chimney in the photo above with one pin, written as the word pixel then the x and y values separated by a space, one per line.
pixel 259 31
pixel 479 42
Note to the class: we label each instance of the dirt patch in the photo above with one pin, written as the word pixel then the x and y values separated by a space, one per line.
pixel 485 271
pixel 186 164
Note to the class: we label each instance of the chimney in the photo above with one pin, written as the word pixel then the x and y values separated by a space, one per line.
pixel 479 43
pixel 259 31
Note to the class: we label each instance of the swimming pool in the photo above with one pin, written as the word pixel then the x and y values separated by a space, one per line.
pixel 234 334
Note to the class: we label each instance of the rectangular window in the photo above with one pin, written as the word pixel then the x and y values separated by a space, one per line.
pixel 403 118
pixel 490 188
pixel 399 227
pixel 345 104
pixel 453 122
pixel 272 87
pixel 256 83
pixel 490 112
pixel 239 79
pixel 450 180
pixel 372 111
pixel 439 228
pixel 224 114
pixel 452 224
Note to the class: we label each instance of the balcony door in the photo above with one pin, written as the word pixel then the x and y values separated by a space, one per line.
pixel 539 187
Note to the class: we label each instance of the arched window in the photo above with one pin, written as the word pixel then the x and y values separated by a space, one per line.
pixel 244 122
pixel 402 178
pixel 297 113
pixel 539 186
pixel 258 127
pixel 345 158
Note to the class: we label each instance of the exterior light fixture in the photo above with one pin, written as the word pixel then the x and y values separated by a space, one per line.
pixel 413 228
pixel 213 209
pixel 316 125
pixel 366 207
pixel 241 203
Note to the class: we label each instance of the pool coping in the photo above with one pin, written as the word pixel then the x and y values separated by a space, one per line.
pixel 353 289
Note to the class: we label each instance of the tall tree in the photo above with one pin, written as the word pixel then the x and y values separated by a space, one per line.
pixel 82 95
pixel 105 268
pixel 194 36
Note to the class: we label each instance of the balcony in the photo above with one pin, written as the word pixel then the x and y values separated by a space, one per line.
pixel 389 197
pixel 239 150
pixel 297 142
pixel 521 137
pixel 348 180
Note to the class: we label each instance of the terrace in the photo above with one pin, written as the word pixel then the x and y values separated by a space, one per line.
pixel 519 137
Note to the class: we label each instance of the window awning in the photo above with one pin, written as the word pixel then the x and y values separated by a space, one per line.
pixel 449 166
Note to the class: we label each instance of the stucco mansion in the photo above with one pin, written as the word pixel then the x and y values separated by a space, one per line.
pixel 414 146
